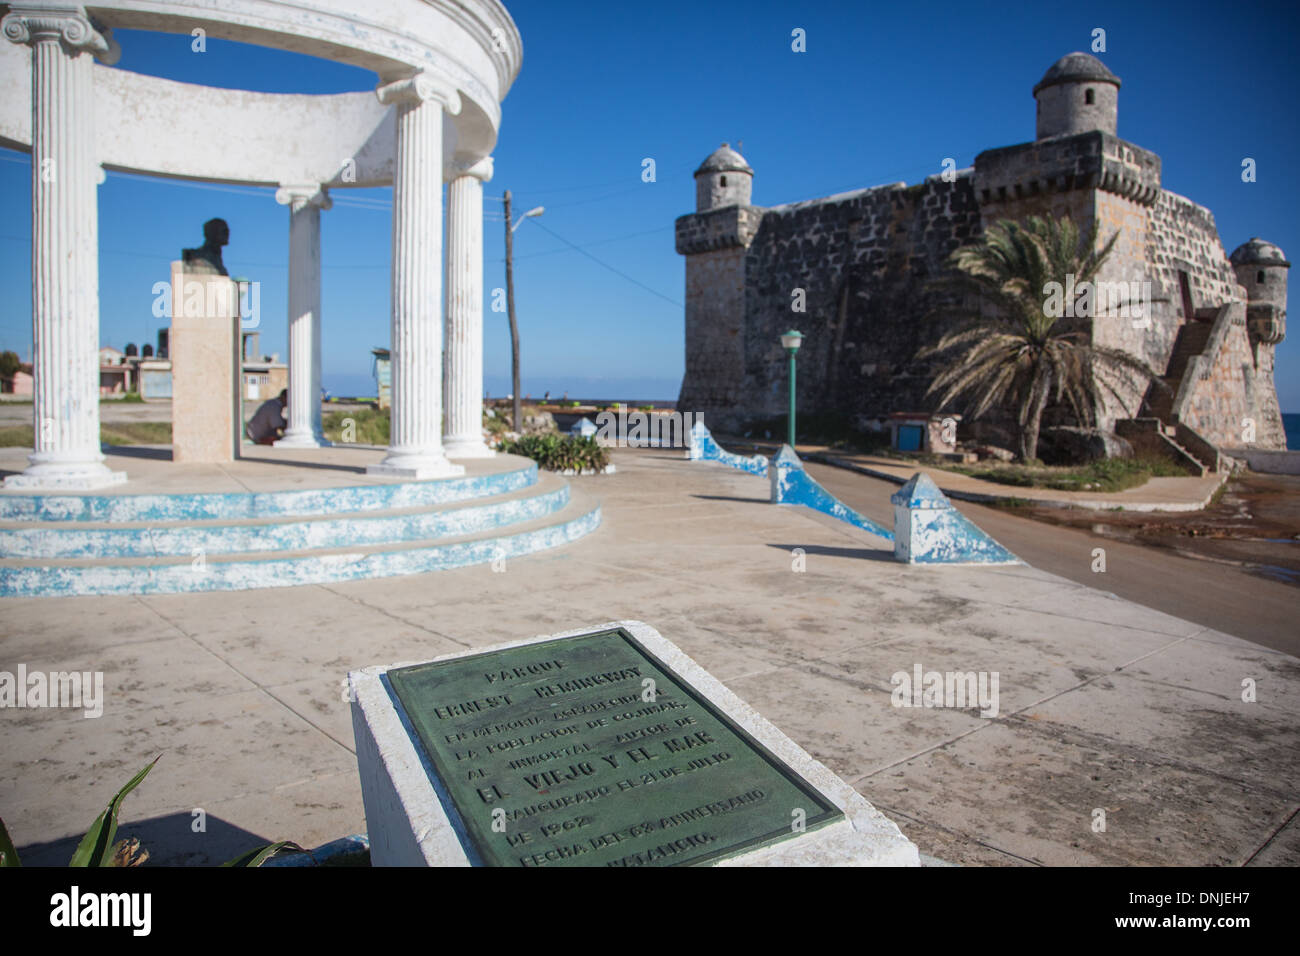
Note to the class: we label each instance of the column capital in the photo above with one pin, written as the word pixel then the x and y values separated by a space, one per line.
pixel 480 169
pixel 300 195
pixel 70 26
pixel 421 88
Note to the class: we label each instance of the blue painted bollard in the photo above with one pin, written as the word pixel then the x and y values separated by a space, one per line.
pixel 929 530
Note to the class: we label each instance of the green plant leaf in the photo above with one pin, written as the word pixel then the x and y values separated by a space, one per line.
pixel 259 855
pixel 8 855
pixel 95 847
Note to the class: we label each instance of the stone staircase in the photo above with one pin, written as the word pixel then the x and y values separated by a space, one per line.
pixel 1157 431
pixel 1191 341
pixel 175 543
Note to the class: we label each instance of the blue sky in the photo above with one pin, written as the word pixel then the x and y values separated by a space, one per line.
pixel 882 94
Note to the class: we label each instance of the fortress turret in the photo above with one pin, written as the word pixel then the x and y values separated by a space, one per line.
pixel 724 179
pixel 1077 94
pixel 1261 268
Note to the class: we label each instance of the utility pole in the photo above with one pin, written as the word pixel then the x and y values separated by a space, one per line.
pixel 514 328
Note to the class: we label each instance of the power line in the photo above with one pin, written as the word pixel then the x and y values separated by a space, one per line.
pixel 597 242
pixel 606 265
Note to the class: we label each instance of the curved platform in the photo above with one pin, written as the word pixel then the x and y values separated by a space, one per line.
pixel 276 518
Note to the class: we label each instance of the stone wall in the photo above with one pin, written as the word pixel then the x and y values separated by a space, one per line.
pixel 715 337
pixel 1217 393
pixel 863 260
pixel 714 245
pixel 1150 327
pixel 1182 236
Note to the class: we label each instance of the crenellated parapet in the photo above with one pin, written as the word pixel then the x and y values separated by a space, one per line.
pixel 731 227
pixel 1085 161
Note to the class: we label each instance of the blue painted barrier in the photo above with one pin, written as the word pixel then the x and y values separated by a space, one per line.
pixel 929 530
pixel 792 485
pixel 702 447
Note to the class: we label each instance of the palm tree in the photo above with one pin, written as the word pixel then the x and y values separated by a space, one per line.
pixel 1017 352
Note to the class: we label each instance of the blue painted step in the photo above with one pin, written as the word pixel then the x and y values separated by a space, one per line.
pixel 76 540
pixel 119 509
pixel 66 578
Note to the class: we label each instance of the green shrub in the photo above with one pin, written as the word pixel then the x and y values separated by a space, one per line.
pixel 97 848
pixel 559 452
pixel 496 423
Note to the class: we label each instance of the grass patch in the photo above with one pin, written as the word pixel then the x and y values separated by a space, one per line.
pixel 362 426
pixel 559 453
pixel 126 398
pixel 1104 475
pixel 17 436
pixel 136 433
pixel 117 433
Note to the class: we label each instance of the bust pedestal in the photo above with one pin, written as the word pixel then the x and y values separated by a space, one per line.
pixel 204 352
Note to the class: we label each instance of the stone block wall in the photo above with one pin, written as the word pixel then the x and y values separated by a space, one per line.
pixel 715 337
pixel 1183 236
pixel 863 261
pixel 1218 389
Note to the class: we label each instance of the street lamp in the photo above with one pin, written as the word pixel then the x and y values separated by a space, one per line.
pixel 790 341
pixel 510 305
pixel 535 211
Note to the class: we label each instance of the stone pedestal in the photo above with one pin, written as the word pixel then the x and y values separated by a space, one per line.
pixel 204 351
pixel 753 796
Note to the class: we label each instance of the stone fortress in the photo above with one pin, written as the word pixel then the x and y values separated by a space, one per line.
pixel 865 260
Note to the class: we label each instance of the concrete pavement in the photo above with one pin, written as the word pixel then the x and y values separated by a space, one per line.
pixel 1220 596
pixel 1104 705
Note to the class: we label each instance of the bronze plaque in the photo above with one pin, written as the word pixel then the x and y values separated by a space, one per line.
pixel 589 751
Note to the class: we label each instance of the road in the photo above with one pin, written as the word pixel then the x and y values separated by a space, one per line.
pixel 1220 596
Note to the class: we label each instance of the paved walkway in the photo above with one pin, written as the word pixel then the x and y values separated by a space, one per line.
pixel 1103 705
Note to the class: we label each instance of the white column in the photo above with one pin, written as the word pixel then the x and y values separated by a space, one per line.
pixel 65 249
pixel 463 393
pixel 415 442
pixel 305 204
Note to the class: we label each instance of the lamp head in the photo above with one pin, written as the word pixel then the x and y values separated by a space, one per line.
pixel 791 340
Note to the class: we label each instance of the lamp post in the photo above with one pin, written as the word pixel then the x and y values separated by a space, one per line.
pixel 510 305
pixel 790 342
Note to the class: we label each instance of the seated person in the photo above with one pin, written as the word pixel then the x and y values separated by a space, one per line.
pixel 269 422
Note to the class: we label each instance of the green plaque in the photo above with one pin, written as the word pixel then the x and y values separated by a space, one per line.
pixel 590 751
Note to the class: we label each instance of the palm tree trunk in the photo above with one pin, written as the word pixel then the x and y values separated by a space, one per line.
pixel 1038 397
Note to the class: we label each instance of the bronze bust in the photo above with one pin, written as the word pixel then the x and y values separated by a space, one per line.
pixel 206 259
